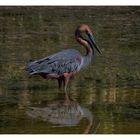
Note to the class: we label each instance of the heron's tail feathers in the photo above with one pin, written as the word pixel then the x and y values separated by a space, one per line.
pixel 31 67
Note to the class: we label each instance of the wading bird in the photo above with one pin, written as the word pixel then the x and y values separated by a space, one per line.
pixel 65 64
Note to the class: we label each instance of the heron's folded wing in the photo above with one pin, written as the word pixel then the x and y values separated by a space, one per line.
pixel 64 61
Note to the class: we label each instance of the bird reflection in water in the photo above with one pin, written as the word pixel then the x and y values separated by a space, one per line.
pixel 62 114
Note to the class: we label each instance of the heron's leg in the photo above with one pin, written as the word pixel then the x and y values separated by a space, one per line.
pixel 60 83
pixel 66 81
pixel 67 77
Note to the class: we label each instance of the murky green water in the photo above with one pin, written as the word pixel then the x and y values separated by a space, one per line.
pixel 105 96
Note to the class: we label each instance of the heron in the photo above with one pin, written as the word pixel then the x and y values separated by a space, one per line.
pixel 63 65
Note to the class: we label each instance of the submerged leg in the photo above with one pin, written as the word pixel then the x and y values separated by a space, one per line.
pixel 67 100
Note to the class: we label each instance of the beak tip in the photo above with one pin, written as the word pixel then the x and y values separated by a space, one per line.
pixel 94 43
pixel 100 53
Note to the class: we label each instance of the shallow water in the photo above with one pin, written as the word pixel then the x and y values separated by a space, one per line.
pixel 105 96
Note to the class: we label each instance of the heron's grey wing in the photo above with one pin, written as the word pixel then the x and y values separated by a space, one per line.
pixel 65 61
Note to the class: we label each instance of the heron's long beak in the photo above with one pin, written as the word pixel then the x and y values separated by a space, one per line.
pixel 93 43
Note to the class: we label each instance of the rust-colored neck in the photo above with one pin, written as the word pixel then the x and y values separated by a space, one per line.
pixel 84 43
pixel 89 52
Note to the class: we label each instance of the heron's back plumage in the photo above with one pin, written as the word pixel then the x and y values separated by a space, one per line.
pixel 62 62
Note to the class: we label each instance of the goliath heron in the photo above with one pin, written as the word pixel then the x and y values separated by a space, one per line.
pixel 65 64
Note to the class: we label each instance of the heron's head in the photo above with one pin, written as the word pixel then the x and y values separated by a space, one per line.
pixel 83 31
